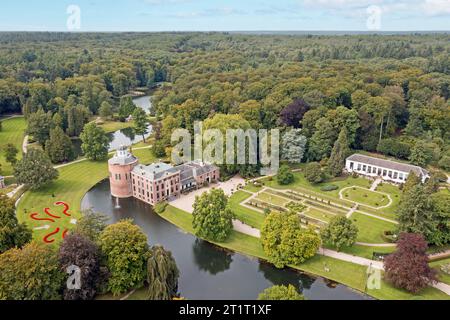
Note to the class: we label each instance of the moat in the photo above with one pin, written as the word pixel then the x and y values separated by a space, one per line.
pixel 206 271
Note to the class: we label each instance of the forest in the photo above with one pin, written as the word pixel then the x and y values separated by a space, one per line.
pixel 390 92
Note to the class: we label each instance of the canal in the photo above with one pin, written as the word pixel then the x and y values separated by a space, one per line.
pixel 206 271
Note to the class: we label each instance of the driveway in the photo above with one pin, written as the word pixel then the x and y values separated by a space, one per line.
pixel 186 202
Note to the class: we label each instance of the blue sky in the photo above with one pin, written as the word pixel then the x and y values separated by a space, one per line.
pixel 225 15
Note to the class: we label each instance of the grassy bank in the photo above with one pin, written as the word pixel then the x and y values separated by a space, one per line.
pixel 349 274
pixel 13 131
pixel 73 183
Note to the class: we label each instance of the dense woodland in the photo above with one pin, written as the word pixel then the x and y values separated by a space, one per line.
pixel 390 92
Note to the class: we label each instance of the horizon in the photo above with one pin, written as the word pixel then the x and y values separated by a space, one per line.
pixel 226 16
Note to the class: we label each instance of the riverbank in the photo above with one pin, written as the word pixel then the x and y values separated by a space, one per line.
pixel 346 273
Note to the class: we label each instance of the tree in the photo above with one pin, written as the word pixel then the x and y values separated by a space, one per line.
pixel 340 232
pixel 285 242
pixel 11 154
pixel 30 273
pixel 408 268
pixel 213 220
pixel 95 142
pixel 126 108
pixel 126 251
pixel 285 175
pixel 12 233
pixel 421 155
pixel 79 251
pixel 412 181
pixel 105 110
pixel 35 169
pixel 313 173
pixel 293 113
pixel 39 125
pixel 441 234
pixel 320 144
pixel 59 147
pixel 91 225
pixel 416 213
pixel 293 146
pixel 341 151
pixel 140 122
pixel 77 117
pixel 162 275
pixel 280 293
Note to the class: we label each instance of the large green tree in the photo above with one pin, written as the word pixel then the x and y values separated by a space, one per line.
pixel 11 154
pixel 280 293
pixel 12 233
pixel 126 251
pixel 30 273
pixel 140 122
pixel 95 142
pixel 126 108
pixel 285 242
pixel 162 275
pixel 213 220
pixel 340 232
pixel 341 151
pixel 59 147
pixel 39 125
pixel 35 169
pixel 285 175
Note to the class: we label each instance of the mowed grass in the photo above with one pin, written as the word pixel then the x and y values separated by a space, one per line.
pixel 349 274
pixel 301 182
pixel 367 197
pixel 371 229
pixel 246 215
pixel 318 214
pixel 442 276
pixel 73 183
pixel 113 126
pixel 270 198
pixel 13 131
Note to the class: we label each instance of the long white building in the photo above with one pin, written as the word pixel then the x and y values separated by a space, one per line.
pixel 387 170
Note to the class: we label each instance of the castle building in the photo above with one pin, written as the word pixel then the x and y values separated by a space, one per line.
pixel 387 170
pixel 156 182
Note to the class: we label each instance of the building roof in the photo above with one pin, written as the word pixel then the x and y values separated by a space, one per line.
pixel 122 157
pixel 155 171
pixel 388 164
pixel 188 171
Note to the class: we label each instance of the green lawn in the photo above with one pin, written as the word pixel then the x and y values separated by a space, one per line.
pixel 395 194
pixel 300 181
pixel 252 188
pixel 343 272
pixel 273 199
pixel 113 126
pixel 248 216
pixel 442 276
pixel 367 197
pixel 73 183
pixel 318 214
pixel 13 131
pixel 367 252
pixel 371 229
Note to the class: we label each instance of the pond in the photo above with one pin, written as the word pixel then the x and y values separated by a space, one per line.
pixel 206 271
pixel 125 137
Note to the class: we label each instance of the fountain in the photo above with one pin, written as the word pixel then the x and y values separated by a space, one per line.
pixel 117 204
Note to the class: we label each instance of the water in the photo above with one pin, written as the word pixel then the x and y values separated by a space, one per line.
pixel 124 137
pixel 206 271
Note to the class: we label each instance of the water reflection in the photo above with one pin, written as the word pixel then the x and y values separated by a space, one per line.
pixel 211 259
pixel 208 272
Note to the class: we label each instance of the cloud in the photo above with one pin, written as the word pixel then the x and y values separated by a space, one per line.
pixel 436 7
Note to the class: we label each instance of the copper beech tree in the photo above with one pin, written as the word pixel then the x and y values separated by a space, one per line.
pixel 408 268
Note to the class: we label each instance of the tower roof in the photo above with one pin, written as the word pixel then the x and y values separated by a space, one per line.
pixel 122 157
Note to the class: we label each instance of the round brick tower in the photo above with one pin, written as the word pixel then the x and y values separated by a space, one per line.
pixel 120 168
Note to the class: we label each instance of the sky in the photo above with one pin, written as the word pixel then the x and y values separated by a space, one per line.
pixel 224 15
